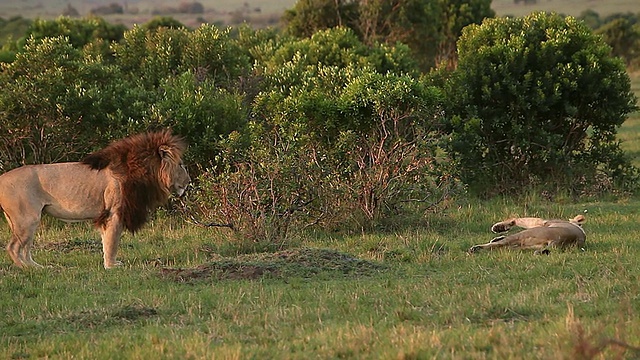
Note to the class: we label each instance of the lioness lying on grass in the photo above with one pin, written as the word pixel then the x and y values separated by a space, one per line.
pixel 539 234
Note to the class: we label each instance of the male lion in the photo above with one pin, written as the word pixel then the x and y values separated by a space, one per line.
pixel 539 234
pixel 116 187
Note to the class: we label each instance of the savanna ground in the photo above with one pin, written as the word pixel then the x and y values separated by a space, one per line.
pixel 409 292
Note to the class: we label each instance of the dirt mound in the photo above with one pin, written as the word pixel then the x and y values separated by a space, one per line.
pixel 304 262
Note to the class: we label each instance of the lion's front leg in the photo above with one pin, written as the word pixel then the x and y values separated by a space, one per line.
pixel 111 233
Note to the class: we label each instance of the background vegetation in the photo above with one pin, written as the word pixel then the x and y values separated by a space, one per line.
pixel 357 138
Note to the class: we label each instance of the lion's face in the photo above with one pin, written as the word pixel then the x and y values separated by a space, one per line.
pixel 180 179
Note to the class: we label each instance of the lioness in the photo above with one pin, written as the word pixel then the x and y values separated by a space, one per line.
pixel 539 234
pixel 116 187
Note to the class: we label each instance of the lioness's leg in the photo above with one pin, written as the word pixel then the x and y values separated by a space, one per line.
pixel 525 223
pixel 494 243
pixel 111 233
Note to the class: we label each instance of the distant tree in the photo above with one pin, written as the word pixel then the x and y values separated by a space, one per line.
pixel 12 29
pixel 623 37
pixel 310 16
pixel 79 31
pixel 629 16
pixel 591 18
pixel 113 8
pixel 455 15
pixel 429 27
pixel 191 8
pixel 70 11
pixel 163 22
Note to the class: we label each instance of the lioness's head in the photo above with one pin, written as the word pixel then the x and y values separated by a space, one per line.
pixel 578 220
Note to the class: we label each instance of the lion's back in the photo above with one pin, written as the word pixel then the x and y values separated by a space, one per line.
pixel 70 191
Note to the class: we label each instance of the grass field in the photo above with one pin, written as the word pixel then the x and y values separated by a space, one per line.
pixel 188 293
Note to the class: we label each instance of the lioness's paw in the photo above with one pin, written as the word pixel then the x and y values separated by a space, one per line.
pixel 473 249
pixel 499 228
pixel 542 252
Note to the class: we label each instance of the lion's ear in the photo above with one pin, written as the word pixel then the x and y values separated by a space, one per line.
pixel 165 152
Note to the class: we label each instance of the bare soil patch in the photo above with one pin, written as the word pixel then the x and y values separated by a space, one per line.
pixel 291 263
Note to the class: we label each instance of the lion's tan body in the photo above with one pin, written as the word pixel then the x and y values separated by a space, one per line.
pixel 99 189
pixel 539 234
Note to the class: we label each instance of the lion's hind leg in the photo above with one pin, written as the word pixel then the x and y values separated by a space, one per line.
pixel 13 248
pixel 26 255
pixel 19 246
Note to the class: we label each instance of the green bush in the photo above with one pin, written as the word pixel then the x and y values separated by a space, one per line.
pixel 12 29
pixel 199 111
pixel 151 56
pixel 329 145
pixel 58 104
pixel 537 101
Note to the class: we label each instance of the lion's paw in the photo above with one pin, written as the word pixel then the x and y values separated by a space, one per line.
pixel 113 264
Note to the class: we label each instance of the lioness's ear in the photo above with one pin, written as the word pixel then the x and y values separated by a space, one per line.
pixel 578 219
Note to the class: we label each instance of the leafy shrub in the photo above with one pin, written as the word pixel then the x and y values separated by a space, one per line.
pixel 330 145
pixel 151 56
pixel 57 104
pixel 12 29
pixel 201 112
pixel 537 101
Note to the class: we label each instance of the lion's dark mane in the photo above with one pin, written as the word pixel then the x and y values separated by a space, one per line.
pixel 136 163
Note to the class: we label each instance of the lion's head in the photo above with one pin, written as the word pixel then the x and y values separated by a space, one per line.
pixel 149 167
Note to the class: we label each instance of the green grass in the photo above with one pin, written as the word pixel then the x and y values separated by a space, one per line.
pixel 414 293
